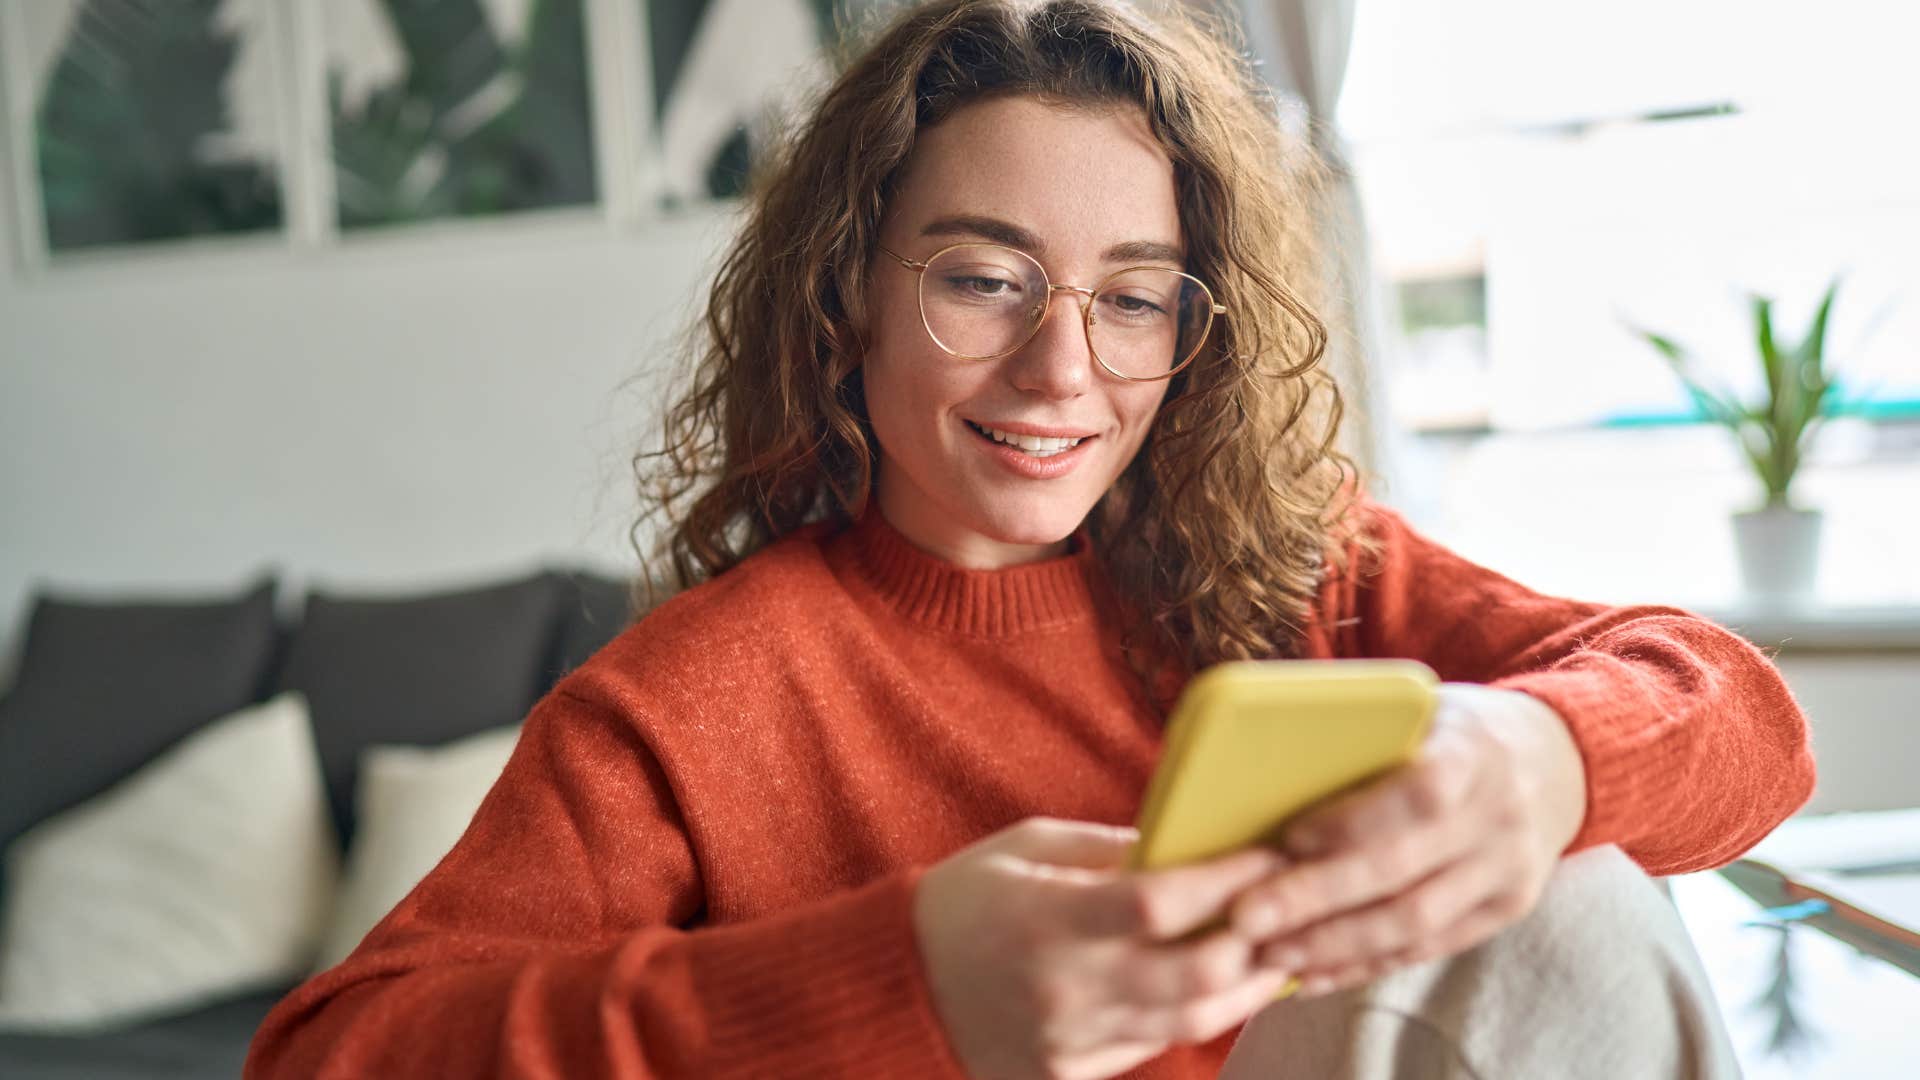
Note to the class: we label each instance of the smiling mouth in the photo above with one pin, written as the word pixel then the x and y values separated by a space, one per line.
pixel 1031 446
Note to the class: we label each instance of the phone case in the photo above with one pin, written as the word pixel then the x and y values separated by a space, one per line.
pixel 1252 742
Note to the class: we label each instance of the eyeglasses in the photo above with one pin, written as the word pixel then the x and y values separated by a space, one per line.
pixel 984 301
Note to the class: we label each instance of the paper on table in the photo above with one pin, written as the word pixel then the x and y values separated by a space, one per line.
pixel 1843 841
pixel 1893 897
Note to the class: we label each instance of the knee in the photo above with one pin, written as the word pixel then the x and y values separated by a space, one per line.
pixel 1594 892
pixel 1599 912
pixel 1598 980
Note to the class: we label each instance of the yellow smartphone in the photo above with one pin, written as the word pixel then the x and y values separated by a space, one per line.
pixel 1251 743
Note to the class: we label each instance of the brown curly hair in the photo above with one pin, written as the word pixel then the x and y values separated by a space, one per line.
pixel 1217 535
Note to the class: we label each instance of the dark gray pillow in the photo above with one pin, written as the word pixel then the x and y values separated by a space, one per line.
pixel 103 687
pixel 418 670
pixel 593 611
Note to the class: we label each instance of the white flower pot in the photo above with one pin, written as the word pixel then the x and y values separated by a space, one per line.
pixel 1779 550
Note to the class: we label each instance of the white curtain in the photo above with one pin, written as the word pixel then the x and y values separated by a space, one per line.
pixel 1302 47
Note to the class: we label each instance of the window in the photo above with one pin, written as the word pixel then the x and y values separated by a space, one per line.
pixel 1539 179
pixel 457 108
pixel 139 126
pixel 299 124
pixel 1647 163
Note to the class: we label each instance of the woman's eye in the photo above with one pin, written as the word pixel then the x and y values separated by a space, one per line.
pixel 981 286
pixel 1134 305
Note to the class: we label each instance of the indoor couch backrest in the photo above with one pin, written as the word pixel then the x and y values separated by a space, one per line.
pixel 104 686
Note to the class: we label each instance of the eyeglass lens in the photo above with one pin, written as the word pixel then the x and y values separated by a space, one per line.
pixel 983 300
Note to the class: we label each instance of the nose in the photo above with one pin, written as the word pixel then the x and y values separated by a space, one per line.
pixel 1058 361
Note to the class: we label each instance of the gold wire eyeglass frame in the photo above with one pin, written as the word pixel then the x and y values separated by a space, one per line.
pixel 919 267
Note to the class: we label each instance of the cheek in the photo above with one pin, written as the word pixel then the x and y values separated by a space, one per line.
pixel 907 372
pixel 906 384
pixel 1137 408
pixel 895 320
pixel 888 359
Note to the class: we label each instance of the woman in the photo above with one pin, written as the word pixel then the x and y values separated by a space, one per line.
pixel 1006 420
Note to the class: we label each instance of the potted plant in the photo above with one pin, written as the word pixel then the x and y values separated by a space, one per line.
pixel 1778 542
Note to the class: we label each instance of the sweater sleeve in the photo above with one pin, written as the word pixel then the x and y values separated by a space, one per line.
pixel 1693 746
pixel 564 936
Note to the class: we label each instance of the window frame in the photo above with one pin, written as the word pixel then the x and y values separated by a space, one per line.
pixel 626 160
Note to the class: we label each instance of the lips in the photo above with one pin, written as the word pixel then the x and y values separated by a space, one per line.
pixel 1030 466
pixel 1054 444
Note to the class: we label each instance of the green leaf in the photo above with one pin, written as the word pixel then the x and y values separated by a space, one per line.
pixel 1785 407
pixel 1666 345
pixel 1811 382
pixel 1770 359
pixel 1720 408
pixel 1814 347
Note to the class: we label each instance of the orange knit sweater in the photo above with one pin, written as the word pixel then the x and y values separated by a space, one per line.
pixel 701 858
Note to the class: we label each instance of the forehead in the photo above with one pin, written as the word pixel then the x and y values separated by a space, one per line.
pixel 1075 175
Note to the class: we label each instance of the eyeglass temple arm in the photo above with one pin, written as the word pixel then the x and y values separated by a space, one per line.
pixel 911 264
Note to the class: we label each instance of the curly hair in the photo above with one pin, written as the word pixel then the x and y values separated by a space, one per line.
pixel 1217 535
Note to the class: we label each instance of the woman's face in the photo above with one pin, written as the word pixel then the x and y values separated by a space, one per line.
pixel 1069 186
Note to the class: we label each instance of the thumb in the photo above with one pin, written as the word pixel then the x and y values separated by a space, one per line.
pixel 1052 841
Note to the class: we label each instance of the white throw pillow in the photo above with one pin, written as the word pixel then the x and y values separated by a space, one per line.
pixel 413 805
pixel 209 871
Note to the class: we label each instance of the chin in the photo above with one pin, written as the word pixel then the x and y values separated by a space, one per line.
pixel 1020 522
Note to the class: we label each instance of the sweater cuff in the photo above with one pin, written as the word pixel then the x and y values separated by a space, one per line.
pixel 835 987
pixel 1607 728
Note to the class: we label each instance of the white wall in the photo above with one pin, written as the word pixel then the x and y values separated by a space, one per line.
pixel 410 411
pixel 1865 743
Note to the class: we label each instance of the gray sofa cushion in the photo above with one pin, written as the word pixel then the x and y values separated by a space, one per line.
pixel 593 611
pixel 418 670
pixel 103 687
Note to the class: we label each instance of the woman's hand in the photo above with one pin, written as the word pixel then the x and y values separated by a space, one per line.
pixel 1431 859
pixel 1047 959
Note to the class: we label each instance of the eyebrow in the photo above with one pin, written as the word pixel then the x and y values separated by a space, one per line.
pixel 1006 232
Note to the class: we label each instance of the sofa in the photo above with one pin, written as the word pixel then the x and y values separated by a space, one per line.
pixel 129 717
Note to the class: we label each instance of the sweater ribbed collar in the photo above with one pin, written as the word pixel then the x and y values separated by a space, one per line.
pixel 928 589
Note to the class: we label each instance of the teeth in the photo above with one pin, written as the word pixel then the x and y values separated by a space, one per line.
pixel 1036 445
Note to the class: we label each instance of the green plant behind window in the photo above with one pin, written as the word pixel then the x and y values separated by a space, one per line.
pixel 474 126
pixel 129 130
